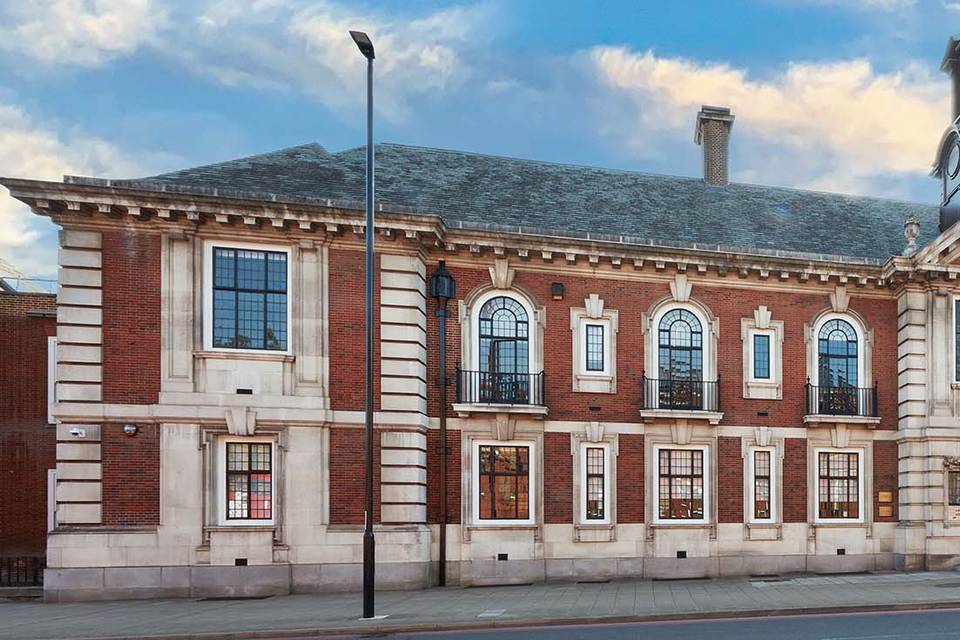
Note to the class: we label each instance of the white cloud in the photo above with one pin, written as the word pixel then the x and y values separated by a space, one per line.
pixel 839 124
pixel 29 149
pixel 303 46
pixel 861 5
pixel 78 32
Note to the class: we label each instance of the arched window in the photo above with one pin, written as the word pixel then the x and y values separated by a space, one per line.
pixel 680 349
pixel 681 346
pixel 838 357
pixel 504 336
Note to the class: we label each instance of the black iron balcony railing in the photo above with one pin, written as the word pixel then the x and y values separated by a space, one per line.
pixel 842 401
pixel 681 395
pixel 490 387
pixel 21 571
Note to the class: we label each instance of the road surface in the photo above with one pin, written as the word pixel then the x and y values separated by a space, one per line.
pixel 912 625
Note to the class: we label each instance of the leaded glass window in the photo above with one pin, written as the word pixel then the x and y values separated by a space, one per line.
pixel 249 481
pixel 761 485
pixel 249 299
pixel 838 354
pixel 680 342
pixel 504 336
pixel 596 480
pixel 761 356
pixel 839 477
pixel 681 484
pixel 953 488
pixel 504 483
pixel 594 346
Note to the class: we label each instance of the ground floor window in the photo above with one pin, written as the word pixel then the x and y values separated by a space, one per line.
pixel 762 485
pixel 953 488
pixel 681 485
pixel 839 487
pixel 503 491
pixel 248 493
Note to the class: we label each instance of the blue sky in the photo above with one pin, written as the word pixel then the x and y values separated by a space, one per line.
pixel 839 95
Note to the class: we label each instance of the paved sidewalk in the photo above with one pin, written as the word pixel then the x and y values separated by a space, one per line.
pixel 472 607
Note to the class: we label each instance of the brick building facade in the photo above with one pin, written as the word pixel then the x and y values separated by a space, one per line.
pixel 27 442
pixel 648 376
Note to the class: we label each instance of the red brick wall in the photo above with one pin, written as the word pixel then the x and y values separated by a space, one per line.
pixel 131 476
pixel 631 298
pixel 730 480
pixel 453 476
pixel 885 476
pixel 795 480
pixel 347 476
pixel 557 479
pixel 346 316
pixel 27 443
pixel 131 317
pixel 630 497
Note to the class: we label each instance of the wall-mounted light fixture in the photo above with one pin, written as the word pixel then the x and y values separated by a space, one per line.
pixel 131 429
pixel 556 290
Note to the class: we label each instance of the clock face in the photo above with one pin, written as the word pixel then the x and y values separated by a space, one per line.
pixel 953 162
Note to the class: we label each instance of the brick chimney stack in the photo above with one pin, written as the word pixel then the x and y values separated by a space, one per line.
pixel 713 134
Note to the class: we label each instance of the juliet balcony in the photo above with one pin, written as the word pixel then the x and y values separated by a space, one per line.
pixel 500 392
pixel 681 400
pixel 841 405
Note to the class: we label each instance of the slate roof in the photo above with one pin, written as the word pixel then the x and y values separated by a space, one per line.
pixel 479 191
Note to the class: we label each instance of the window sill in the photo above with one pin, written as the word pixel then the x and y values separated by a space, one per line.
pixel 465 409
pixel 713 417
pixel 240 354
pixel 680 524
pixel 503 526
pixel 594 383
pixel 815 419
pixel 762 390
pixel 230 528
pixel 595 532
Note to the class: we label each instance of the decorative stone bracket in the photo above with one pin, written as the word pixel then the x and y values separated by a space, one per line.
pixel 241 421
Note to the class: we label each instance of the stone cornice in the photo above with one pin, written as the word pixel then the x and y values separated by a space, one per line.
pixel 91 202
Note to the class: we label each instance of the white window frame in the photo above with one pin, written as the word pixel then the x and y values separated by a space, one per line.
pixel 774 486
pixel 220 481
pixel 51 378
pixel 707 478
pixel 861 483
pixel 955 379
pixel 751 356
pixel 862 377
pixel 51 500
pixel 532 327
pixel 607 502
pixel 706 339
pixel 605 325
pixel 208 247
pixel 533 479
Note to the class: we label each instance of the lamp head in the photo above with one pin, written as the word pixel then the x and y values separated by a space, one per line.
pixel 363 43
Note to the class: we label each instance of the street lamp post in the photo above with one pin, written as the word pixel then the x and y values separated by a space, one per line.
pixel 443 288
pixel 369 542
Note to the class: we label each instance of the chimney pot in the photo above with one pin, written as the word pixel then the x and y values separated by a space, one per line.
pixel 713 134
